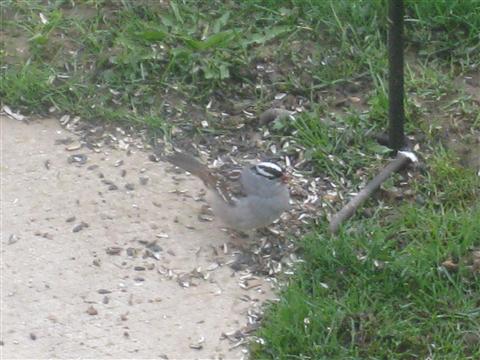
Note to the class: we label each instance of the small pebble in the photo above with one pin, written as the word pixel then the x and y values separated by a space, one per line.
pixel 33 336
pixel 113 250
pixel 12 239
pixel 111 185
pixel 44 235
pixel 132 252
pixel 154 247
pixel 129 186
pixel 78 159
pixel 153 158
pixel 79 227
pixel 73 147
pixel 92 311
pixel 205 218
pixel 64 141
pixel 155 255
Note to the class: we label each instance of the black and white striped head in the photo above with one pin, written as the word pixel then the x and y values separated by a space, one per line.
pixel 269 170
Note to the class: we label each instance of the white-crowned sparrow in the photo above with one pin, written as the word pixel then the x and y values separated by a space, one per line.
pixel 258 198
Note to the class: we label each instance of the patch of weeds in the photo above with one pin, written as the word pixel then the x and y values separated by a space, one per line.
pixel 464 114
pixel 22 85
pixel 359 30
pixel 428 81
pixel 338 145
pixel 447 184
pixel 378 103
pixel 445 29
pixel 420 94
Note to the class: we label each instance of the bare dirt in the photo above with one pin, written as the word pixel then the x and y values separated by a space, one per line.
pixel 108 258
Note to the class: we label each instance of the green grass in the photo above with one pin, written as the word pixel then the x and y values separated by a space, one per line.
pixel 378 290
pixel 127 56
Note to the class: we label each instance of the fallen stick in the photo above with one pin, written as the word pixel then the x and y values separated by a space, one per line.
pixel 402 159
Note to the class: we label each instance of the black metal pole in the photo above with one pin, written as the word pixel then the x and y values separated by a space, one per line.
pixel 396 111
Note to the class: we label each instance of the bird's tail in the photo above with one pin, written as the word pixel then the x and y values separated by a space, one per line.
pixel 193 166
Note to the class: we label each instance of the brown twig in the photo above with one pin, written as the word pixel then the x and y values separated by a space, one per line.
pixel 348 210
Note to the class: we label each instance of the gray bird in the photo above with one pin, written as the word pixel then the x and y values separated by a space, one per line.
pixel 258 198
